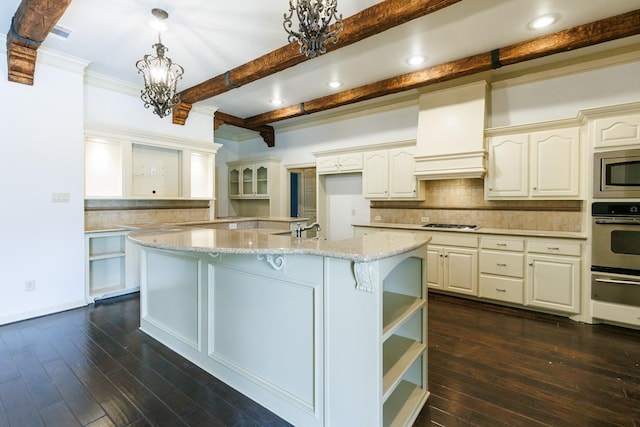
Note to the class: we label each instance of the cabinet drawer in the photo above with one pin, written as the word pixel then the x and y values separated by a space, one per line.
pixel 502 263
pixel 554 247
pixel 502 289
pixel 454 239
pixel 616 313
pixel 502 244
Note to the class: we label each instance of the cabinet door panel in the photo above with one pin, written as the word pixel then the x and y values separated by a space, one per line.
pixel 555 160
pixel 375 175
pixel 434 267
pixel 508 166
pixel 554 282
pixel 461 271
pixel 402 181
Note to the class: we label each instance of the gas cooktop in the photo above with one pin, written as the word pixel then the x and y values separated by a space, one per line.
pixel 454 226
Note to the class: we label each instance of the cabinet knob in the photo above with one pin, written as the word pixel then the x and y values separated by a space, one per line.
pixel 535 188
pixel 490 188
pixel 530 264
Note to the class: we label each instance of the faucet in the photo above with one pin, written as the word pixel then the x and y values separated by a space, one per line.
pixel 299 228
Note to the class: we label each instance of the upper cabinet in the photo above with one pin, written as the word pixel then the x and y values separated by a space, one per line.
pixel 339 163
pixel 541 164
pixel 617 131
pixel 249 180
pixel 389 174
pixel 122 163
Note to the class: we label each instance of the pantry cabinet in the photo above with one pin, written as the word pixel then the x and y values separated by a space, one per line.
pixel 452 263
pixel 389 174
pixel 543 164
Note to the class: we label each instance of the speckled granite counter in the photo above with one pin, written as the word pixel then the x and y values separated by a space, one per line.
pixel 193 239
pixel 493 231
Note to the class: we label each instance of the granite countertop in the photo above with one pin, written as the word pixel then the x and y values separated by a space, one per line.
pixel 481 230
pixel 360 249
pixel 225 220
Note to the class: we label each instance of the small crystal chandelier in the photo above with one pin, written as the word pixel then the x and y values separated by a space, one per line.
pixel 160 77
pixel 314 17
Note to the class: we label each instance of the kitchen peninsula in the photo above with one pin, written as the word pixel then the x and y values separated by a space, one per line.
pixel 323 333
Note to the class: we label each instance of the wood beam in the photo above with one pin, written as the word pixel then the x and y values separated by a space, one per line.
pixel 266 132
pixel 30 25
pixel 371 21
pixel 616 27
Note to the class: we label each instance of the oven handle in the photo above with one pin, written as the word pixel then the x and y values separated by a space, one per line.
pixel 616 222
pixel 619 282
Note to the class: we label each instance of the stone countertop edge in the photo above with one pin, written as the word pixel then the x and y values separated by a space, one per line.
pixel 368 248
pixel 125 227
pixel 481 230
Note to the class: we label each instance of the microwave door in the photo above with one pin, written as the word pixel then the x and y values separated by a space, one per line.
pixel 622 173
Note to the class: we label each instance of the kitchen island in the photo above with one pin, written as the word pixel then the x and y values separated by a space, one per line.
pixel 323 333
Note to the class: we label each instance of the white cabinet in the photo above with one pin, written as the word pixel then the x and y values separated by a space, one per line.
pixel 404 348
pixel 553 275
pixel 389 174
pixel 254 187
pixel 534 165
pixel 452 263
pixel 502 269
pixel 339 163
pixel 123 163
pixel 106 262
pixel 616 131
pixel 249 180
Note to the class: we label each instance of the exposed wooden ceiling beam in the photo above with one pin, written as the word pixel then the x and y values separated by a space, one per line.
pixel 616 27
pixel 266 132
pixel 371 21
pixel 30 25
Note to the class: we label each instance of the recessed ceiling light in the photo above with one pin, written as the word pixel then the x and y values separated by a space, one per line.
pixel 543 21
pixel 276 101
pixel 334 84
pixel 415 59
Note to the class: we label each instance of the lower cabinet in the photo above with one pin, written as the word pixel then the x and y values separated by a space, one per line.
pixel 453 268
pixel 111 266
pixel 553 275
pixel 502 269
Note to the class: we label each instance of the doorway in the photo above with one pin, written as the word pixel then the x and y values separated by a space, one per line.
pixel 302 195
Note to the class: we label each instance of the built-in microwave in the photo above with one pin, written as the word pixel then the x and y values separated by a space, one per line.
pixel 616 174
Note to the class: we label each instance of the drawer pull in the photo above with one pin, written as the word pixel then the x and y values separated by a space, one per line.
pixel 553 248
pixel 501 244
pixel 501 265
pixel 504 290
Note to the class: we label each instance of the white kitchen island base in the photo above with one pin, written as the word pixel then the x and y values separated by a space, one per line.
pixel 318 340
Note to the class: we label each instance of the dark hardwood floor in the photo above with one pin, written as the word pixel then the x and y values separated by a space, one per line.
pixel 488 365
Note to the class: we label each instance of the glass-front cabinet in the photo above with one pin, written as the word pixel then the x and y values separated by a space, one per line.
pixel 249 180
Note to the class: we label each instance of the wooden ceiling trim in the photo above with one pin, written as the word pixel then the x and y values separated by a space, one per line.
pixel 604 30
pixel 30 25
pixel 371 21
pixel 267 133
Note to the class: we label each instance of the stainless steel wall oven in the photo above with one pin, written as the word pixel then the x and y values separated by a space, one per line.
pixel 615 254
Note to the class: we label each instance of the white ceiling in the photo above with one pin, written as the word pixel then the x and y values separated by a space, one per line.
pixel 210 37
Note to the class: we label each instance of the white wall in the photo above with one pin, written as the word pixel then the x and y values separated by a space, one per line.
pixel 42 151
pixel 297 146
pixel 563 97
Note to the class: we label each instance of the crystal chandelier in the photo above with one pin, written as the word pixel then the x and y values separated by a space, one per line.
pixel 160 77
pixel 314 17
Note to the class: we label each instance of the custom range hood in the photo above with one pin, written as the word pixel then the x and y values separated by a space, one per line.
pixel 450 142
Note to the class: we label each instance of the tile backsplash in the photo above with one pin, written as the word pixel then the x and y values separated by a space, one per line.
pixel 109 213
pixel 461 201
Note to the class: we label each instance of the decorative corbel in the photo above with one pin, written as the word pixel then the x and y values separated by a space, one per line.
pixel 181 113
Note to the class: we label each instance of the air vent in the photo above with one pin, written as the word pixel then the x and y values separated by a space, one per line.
pixel 61 31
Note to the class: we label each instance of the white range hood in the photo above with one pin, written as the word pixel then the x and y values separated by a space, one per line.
pixel 450 141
